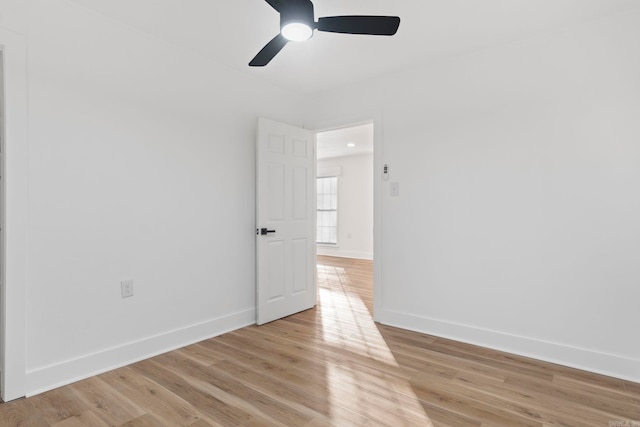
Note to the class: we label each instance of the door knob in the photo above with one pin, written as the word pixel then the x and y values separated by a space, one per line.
pixel 264 231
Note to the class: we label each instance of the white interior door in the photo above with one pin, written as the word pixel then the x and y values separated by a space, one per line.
pixel 285 221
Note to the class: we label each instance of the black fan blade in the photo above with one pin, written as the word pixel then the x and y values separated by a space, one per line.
pixel 277 4
pixel 283 5
pixel 269 51
pixel 373 25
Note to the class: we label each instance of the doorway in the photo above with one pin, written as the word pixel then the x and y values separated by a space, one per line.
pixel 345 192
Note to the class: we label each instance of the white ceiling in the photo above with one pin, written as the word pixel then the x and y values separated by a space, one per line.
pixel 333 143
pixel 233 31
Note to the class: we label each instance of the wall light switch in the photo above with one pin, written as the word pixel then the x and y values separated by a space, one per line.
pixel 394 189
pixel 126 287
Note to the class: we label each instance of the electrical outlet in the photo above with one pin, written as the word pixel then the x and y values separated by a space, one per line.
pixel 394 189
pixel 126 288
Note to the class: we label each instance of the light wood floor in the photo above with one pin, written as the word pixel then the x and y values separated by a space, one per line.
pixel 333 366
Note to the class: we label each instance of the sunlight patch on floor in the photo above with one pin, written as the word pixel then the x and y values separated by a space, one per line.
pixel 351 388
pixel 354 383
pixel 346 323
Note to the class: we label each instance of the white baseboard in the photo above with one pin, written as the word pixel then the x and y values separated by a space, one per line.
pixel 337 252
pixel 587 360
pixel 47 378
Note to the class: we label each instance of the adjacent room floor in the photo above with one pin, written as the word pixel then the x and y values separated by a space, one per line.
pixel 333 366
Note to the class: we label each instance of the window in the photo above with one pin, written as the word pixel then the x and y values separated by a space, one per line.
pixel 327 210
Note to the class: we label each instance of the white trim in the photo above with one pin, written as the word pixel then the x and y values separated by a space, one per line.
pixel 72 370
pixel 359 118
pixel 329 250
pixel 15 201
pixel 580 358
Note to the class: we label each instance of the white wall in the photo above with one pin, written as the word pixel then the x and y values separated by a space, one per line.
pixel 141 166
pixel 516 225
pixel 355 206
pixel 517 222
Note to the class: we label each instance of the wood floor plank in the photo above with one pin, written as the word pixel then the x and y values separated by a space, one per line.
pixel 299 387
pixel 150 396
pixel 146 420
pixel 105 402
pixel 530 404
pixel 58 405
pixel 333 366
pixel 456 399
pixel 621 404
pixel 88 418
pixel 199 354
pixel 21 412
pixel 632 388
pixel 233 391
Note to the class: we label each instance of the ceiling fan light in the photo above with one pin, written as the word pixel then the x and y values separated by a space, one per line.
pixel 297 32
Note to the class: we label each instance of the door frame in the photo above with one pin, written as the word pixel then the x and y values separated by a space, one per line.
pixel 350 120
pixel 15 219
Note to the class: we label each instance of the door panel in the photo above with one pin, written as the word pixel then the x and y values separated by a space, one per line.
pixel 285 208
pixel 300 266
pixel 300 194
pixel 275 270
pixel 276 189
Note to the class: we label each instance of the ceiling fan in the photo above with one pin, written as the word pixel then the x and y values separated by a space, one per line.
pixel 297 24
